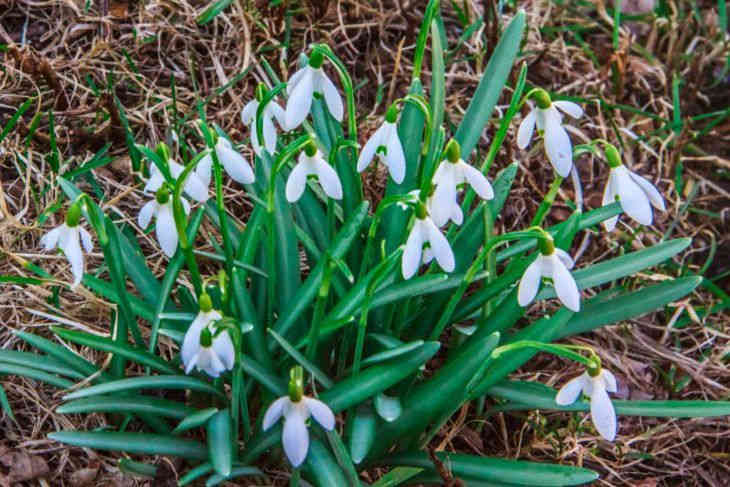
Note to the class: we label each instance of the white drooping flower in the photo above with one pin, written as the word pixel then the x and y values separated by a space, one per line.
pixel 448 176
pixel 635 194
pixel 161 208
pixel 555 265
pixel 234 164
pixel 597 388
pixel 202 349
pixel 295 436
pixel 425 231
pixel 301 88
pixel 196 183
pixel 386 144
pixel 69 237
pixel 549 121
pixel 271 111
pixel 312 165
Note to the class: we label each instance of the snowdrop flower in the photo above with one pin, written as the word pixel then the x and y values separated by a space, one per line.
pixel 296 408
pixel 451 173
pixel 196 183
pixel 386 144
pixel 271 111
pixel 69 237
pixel 425 231
pixel 595 383
pixel 555 264
pixel 202 348
pixel 549 120
pixel 161 208
pixel 301 88
pixel 635 194
pixel 233 163
pixel 311 163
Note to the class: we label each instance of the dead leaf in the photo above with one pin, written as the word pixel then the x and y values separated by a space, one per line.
pixel 85 476
pixel 23 466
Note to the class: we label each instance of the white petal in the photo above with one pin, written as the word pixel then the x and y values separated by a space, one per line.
pixel 477 181
pixel 248 114
pixel 572 109
pixel 145 214
pixel 427 255
pixel 328 179
pixel 191 342
pixel 236 166
pixel 558 147
pixel 192 362
pixel 525 130
pixel 86 241
pixel 297 182
pixel 204 169
pixel 411 259
pixel 196 188
pixel 331 96
pixel 269 135
pixel 609 196
pixel 274 412
pixel 214 367
pixel 295 439
pixel 530 282
pixel 300 101
pixel 570 392
pixel 321 413
pixel 602 412
pixel 655 197
pixel 71 246
pixel 457 216
pixel 166 230
pixel 632 198
pixel 50 239
pixel 155 181
pixel 277 112
pixel 185 205
pixel 223 346
pixel 440 247
pixel 610 380
pixel 444 197
pixel 368 151
pixel 395 158
pixel 565 258
pixel 296 78
pixel 565 286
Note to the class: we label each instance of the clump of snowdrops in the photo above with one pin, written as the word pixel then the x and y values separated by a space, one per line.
pixel 328 371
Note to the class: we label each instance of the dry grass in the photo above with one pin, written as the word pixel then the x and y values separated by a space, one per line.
pixel 57 47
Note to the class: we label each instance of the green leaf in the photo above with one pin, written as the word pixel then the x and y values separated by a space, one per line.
pixel 397 476
pixel 194 420
pixel 58 352
pixel 14 119
pixel 321 467
pixel 517 472
pixel 40 362
pixel 130 352
pixel 36 374
pixel 272 382
pixel 238 470
pixel 127 404
pixel 175 382
pixel 137 468
pixel 220 442
pixel 133 443
pixel 213 10
pixel 391 353
pixel 490 86
pixel 363 433
pixel 539 396
pixel 5 403
pixel 302 360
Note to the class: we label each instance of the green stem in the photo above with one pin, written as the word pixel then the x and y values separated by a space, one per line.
pixel 319 307
pixel 491 264
pixel 223 218
pixel 361 328
pixel 547 202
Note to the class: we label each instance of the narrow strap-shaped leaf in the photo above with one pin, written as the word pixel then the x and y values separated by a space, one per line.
pixel 194 420
pixel 36 374
pixel 220 442
pixel 40 362
pixel 58 352
pixel 139 443
pixel 237 471
pixel 147 382
pixel 127 404
pixel 321 467
pixel 302 360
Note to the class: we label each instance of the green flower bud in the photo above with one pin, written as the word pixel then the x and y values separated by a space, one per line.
pixel 205 303
pixel 260 92
pixel 542 98
pixel 392 114
pixel 206 338
pixel 163 151
pixel 296 383
pixel 316 59
pixel 453 151
pixel 613 157
pixel 73 216
pixel 163 195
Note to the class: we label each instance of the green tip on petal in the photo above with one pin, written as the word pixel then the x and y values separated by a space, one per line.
pixel 453 151
pixel 311 148
pixel 542 98
pixel 205 303
pixel 206 338
pixel 163 195
pixel 613 157
pixel 74 215
pixel 316 59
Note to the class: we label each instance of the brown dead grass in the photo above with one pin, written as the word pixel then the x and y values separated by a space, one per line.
pixel 57 47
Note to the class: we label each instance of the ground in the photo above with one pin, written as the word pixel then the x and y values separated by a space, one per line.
pixel 74 58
